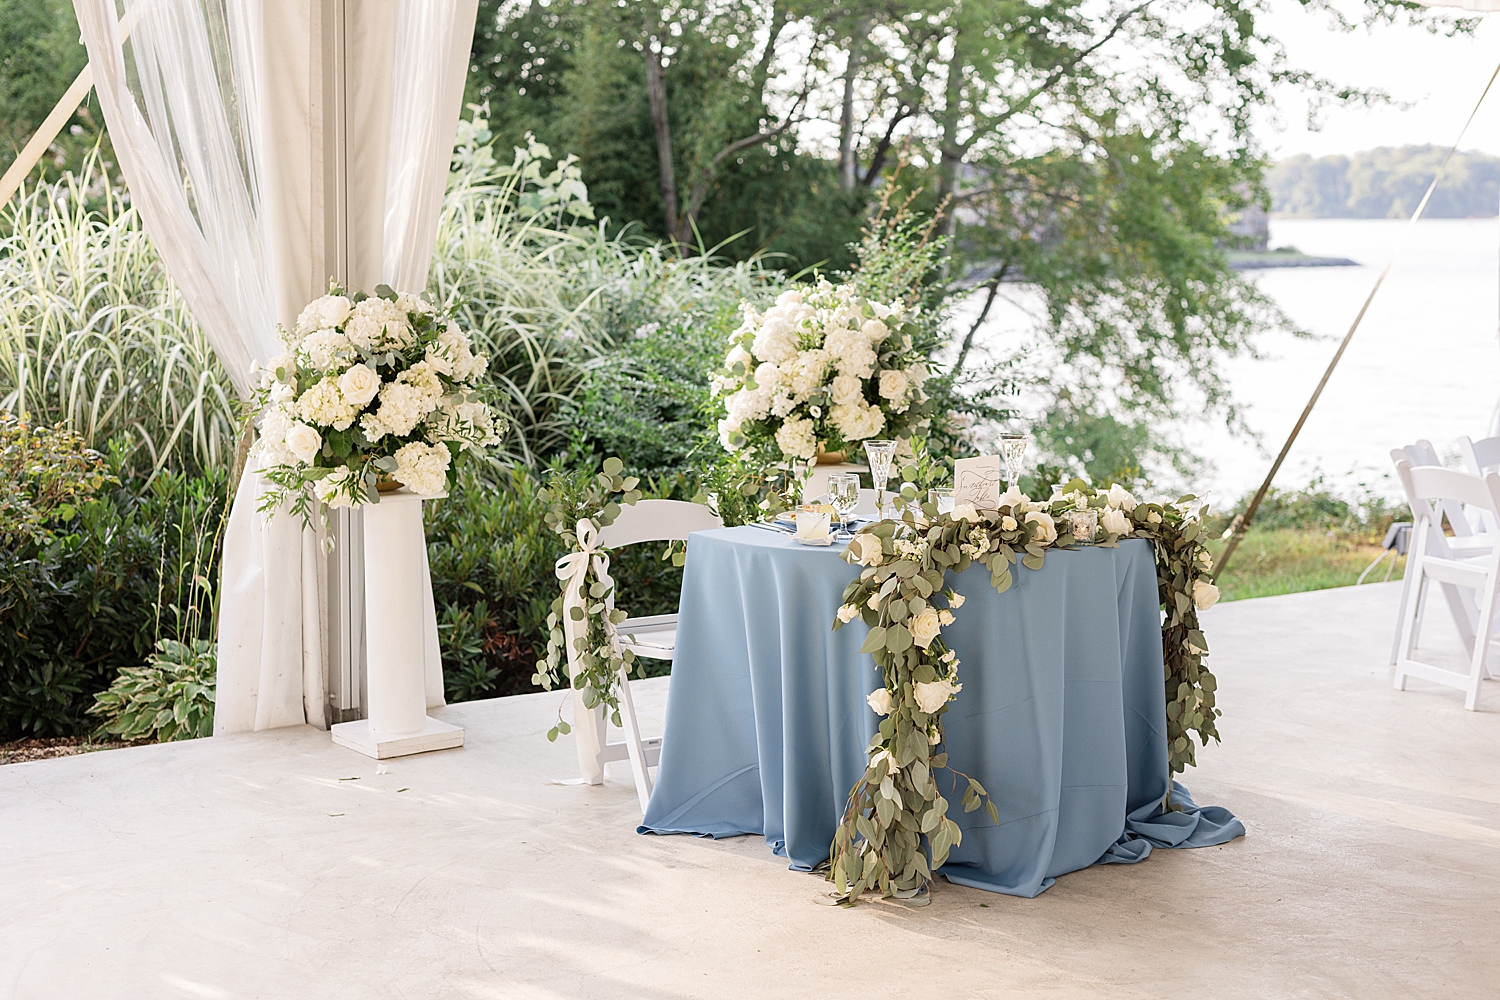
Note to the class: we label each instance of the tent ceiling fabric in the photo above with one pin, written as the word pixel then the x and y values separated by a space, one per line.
pixel 269 149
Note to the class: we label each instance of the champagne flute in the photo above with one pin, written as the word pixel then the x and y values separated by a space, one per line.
pixel 843 494
pixel 1012 448
pixel 881 455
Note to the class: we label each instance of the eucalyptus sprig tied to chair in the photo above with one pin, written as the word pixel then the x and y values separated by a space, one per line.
pixel 599 642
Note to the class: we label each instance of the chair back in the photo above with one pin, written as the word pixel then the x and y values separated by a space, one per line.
pixel 1480 455
pixel 1432 483
pixel 1423 454
pixel 658 521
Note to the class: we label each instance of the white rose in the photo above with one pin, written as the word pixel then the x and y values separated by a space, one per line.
pixel 1154 517
pixel 790 297
pixel 955 599
pixel 932 696
pixel 846 389
pixel 303 442
pixel 1120 497
pixel 945 618
pixel 1116 522
pixel 1205 594
pixel 893 383
pixel 965 512
pixel 320 314
pixel 1007 523
pixel 359 384
pixel 867 551
pixel 739 356
pixel 1014 498
pixel 847 613
pixel 1046 530
pixel 917 373
pixel 880 701
pixel 874 331
pixel 924 626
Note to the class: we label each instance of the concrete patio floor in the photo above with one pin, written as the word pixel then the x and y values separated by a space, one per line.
pixel 256 866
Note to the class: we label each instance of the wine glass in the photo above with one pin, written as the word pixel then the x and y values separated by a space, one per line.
pixel 881 455
pixel 843 494
pixel 1012 448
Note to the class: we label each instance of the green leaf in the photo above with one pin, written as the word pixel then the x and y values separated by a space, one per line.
pixel 875 640
pixel 897 639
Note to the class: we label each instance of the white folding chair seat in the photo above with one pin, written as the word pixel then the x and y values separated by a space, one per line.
pixel 1430 559
pixel 653 636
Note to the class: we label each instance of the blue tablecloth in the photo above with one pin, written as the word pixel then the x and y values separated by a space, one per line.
pixel 1061 717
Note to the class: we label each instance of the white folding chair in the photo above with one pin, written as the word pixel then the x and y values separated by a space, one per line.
pixel 1480 457
pixel 1460 546
pixel 1429 558
pixel 654 637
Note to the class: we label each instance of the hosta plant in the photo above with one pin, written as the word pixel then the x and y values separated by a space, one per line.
pixel 171 697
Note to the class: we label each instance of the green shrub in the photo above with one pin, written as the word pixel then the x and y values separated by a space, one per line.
pixel 91 591
pixel 170 698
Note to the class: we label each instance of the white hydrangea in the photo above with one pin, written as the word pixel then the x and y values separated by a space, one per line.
pixel 378 324
pixel 851 353
pixel 776 340
pixel 452 355
pixel 409 303
pixel 748 404
pixel 270 448
pixel 857 421
pixel 335 489
pixel 324 405
pixel 739 356
pixel 808 372
pixel 458 419
pixel 402 407
pixel 422 468
pixel 796 438
pixel 727 431
pixel 326 349
pixel 322 314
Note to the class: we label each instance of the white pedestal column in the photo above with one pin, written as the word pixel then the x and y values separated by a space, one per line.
pixel 396 723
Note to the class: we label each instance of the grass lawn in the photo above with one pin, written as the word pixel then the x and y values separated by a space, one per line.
pixel 1289 560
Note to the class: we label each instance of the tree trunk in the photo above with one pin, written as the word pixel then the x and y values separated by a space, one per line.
pixel 656 88
pixel 848 160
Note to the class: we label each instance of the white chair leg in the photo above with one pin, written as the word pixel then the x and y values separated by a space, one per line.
pixel 1407 637
pixel 588 737
pixel 1406 598
pixel 633 745
pixel 1482 638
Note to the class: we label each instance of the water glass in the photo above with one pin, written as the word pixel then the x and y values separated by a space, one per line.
pixel 943 497
pixel 1012 448
pixel 843 494
pixel 881 454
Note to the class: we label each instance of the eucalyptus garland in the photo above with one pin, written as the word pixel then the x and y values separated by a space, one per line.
pixel 901 595
pixel 579 505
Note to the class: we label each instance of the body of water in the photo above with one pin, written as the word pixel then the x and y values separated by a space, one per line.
pixel 1424 364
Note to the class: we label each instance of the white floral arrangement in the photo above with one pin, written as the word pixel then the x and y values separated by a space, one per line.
pixel 823 366
pixel 372 391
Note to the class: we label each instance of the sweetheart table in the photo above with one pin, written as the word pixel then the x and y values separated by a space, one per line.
pixel 1062 716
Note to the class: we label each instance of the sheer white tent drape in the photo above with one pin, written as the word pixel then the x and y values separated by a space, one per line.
pixel 216 109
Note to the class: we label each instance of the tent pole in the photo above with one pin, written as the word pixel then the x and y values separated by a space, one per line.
pixel 1242 521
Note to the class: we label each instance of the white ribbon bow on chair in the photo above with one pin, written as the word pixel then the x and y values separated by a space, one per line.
pixel 573 568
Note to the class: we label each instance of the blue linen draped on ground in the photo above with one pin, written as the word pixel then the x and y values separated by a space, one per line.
pixel 1061 718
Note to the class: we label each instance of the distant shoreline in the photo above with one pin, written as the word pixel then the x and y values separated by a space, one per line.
pixel 1254 260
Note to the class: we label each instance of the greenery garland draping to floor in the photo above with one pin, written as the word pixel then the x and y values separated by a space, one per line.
pixel 895 832
pixel 879 843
